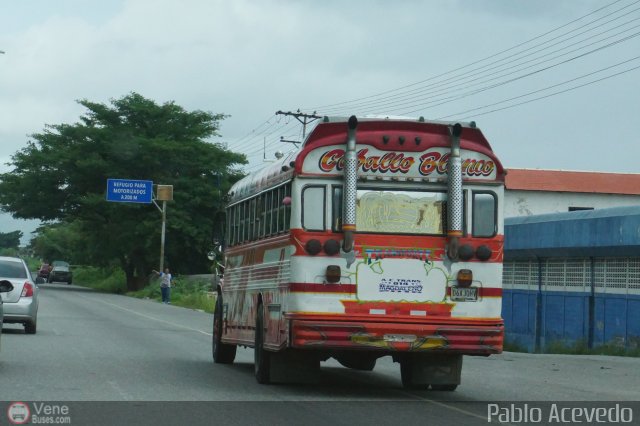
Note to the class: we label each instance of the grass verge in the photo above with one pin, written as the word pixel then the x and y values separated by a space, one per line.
pixel 577 348
pixel 193 294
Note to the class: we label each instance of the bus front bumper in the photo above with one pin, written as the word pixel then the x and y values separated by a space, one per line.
pixel 471 337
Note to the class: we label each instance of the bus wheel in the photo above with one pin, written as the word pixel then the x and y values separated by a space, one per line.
pixel 444 388
pixel 222 352
pixel 260 355
pixel 408 375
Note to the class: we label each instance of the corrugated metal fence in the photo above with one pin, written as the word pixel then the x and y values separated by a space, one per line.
pixel 591 300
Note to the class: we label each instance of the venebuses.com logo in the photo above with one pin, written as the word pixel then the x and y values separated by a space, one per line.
pixel 18 413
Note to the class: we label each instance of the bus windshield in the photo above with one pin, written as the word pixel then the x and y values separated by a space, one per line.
pixel 400 212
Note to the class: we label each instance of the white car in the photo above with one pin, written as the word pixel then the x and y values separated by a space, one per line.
pixel 5 287
pixel 20 305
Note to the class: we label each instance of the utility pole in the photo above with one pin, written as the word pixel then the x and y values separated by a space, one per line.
pixel 164 194
pixel 304 119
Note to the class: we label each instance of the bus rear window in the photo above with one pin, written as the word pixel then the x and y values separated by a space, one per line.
pixel 484 214
pixel 400 212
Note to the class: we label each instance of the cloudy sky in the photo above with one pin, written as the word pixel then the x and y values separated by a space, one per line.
pixel 441 59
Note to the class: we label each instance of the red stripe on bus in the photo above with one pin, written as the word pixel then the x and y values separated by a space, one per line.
pixel 322 288
pixel 484 292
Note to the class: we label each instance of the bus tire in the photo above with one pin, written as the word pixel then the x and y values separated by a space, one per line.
pixel 407 375
pixel 444 388
pixel 261 357
pixel 222 352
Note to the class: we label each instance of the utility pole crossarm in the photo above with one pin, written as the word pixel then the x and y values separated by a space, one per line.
pixel 303 118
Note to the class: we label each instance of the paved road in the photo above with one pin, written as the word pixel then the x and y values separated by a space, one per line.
pixel 101 347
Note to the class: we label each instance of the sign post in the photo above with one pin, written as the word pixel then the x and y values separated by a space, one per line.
pixel 164 194
pixel 141 191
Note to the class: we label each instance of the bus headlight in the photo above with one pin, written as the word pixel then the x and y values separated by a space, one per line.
pixel 313 247
pixel 483 252
pixel 331 247
pixel 465 252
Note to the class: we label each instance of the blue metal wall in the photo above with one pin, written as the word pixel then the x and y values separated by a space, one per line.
pixel 564 317
pixel 604 310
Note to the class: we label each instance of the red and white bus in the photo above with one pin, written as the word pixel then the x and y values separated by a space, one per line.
pixel 379 236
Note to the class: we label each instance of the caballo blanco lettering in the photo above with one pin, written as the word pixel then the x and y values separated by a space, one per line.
pixel 429 163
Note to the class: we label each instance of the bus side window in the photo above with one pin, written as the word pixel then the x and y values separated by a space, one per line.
pixel 336 209
pixel 268 212
pixel 287 208
pixel 231 223
pixel 484 211
pixel 274 211
pixel 245 221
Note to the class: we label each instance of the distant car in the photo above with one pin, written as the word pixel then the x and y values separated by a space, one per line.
pixel 44 271
pixel 20 305
pixel 5 287
pixel 61 272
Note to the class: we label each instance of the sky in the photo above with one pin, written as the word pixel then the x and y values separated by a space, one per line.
pixel 441 59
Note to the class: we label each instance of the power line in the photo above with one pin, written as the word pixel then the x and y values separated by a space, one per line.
pixel 405 101
pixel 556 93
pixel 541 90
pixel 493 86
pixel 423 91
pixel 325 107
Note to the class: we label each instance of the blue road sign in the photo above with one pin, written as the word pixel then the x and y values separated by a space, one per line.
pixel 129 191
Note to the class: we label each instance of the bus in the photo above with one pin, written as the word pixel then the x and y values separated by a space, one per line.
pixel 377 237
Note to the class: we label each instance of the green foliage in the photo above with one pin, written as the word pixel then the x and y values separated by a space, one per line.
pixel 60 241
pixel 10 239
pixel 194 294
pixel 60 176
pixel 579 347
pixel 108 280
pixel 13 252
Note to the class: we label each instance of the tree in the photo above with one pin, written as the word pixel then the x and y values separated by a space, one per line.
pixel 60 176
pixel 10 239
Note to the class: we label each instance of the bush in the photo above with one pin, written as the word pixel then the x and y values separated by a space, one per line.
pixel 109 280
pixel 193 294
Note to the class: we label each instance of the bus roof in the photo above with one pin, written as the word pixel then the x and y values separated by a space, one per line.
pixel 409 136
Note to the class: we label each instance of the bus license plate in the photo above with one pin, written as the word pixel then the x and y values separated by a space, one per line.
pixel 469 294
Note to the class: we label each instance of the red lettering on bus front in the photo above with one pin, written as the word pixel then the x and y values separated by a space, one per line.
pixel 395 162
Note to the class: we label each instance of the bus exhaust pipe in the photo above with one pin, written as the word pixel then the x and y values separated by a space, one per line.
pixel 350 189
pixel 454 193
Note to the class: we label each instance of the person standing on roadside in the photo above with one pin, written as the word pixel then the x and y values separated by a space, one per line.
pixel 165 285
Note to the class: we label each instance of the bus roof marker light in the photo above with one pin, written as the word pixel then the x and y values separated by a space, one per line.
pixel 418 139
pixel 385 139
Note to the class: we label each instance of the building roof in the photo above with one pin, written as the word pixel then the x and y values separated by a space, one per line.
pixel 600 232
pixel 572 181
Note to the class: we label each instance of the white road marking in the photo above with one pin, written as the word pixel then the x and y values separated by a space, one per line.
pixel 147 316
